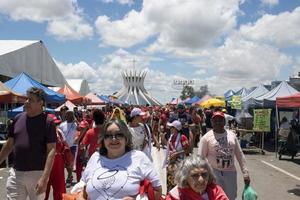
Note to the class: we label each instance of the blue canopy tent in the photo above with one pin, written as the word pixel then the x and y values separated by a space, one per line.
pixel 242 92
pixel 104 98
pixel 12 113
pixel 23 82
pixel 228 95
pixel 192 100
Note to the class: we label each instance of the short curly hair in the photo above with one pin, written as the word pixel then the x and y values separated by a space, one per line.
pixel 190 163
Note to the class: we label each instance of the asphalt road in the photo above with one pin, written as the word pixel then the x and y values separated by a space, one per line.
pixel 271 178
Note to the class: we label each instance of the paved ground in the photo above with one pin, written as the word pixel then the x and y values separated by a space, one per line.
pixel 272 179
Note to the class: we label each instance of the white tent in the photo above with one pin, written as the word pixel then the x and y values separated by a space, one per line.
pixel 68 103
pixel 269 99
pixel 31 57
pixel 79 85
pixel 260 90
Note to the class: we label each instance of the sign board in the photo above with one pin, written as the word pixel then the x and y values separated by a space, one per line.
pixel 262 120
pixel 236 102
pixel 184 82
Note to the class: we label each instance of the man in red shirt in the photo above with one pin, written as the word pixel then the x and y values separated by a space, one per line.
pixel 90 140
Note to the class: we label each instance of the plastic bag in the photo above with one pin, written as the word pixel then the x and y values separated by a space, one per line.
pixel 249 193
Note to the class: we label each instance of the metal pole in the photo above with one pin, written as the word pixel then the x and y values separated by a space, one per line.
pixel 276 132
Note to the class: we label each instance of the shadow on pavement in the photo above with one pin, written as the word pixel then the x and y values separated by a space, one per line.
pixel 295 191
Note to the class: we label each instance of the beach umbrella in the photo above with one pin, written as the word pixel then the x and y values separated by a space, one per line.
pixel 213 102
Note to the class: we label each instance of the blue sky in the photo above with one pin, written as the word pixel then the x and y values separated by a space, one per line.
pixel 224 44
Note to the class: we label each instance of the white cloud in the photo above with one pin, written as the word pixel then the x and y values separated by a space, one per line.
pixel 197 24
pixel 107 1
pixel 64 17
pixel 80 70
pixel 125 2
pixel 282 30
pixel 106 78
pixel 177 24
pixel 270 2
pixel 71 27
pixel 241 63
pixel 130 31
pixel 122 2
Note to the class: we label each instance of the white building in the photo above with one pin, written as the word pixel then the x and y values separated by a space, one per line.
pixel 133 91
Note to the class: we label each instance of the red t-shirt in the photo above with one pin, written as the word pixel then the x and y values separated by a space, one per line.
pixel 91 139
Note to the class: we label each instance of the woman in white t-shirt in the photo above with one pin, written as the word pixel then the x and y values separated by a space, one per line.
pixel 116 171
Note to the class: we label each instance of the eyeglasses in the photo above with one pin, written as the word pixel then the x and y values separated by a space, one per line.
pixel 196 176
pixel 117 136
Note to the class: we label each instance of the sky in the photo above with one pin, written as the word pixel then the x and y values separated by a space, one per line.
pixel 223 44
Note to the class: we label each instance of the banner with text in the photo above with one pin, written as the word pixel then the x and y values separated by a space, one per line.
pixel 236 102
pixel 262 120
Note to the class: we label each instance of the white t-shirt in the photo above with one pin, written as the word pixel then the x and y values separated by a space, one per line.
pixel 220 150
pixel 117 178
pixel 69 130
pixel 139 136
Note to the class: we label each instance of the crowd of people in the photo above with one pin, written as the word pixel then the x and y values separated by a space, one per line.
pixel 110 151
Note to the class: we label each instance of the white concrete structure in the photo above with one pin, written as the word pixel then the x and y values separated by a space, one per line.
pixel 133 91
pixel 31 57
pixel 79 85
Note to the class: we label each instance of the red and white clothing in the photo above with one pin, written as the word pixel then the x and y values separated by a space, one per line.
pixel 213 192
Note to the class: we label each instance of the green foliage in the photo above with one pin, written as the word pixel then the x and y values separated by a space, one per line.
pixel 187 91
pixel 202 91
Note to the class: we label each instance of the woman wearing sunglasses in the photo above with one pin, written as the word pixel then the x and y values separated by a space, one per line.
pixel 115 172
pixel 195 181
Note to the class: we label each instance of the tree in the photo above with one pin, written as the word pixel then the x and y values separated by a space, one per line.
pixel 202 91
pixel 187 91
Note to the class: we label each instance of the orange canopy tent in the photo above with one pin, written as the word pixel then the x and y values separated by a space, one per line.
pixel 8 96
pixel 94 99
pixel 72 95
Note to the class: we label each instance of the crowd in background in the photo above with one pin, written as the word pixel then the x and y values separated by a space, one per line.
pixel 110 151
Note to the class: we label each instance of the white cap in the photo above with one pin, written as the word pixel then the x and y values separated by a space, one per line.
pixel 176 124
pixel 136 112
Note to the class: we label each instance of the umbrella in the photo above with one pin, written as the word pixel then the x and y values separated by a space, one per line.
pixel 212 102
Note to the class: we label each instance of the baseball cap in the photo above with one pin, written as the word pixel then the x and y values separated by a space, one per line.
pixel 176 124
pixel 136 112
pixel 180 106
pixel 54 118
pixel 218 114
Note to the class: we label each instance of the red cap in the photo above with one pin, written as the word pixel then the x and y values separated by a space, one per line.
pixel 54 118
pixel 218 114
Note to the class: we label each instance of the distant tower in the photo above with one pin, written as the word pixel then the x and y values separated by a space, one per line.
pixel 133 91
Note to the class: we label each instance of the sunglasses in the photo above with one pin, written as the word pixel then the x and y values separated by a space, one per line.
pixel 117 136
pixel 196 176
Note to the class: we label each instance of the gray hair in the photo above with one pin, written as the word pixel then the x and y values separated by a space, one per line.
pixel 123 128
pixel 190 163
